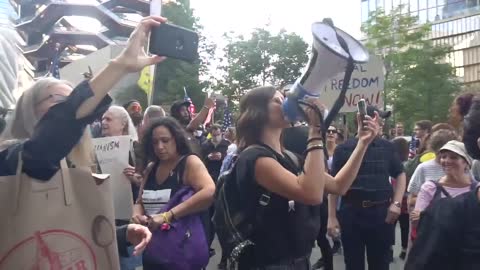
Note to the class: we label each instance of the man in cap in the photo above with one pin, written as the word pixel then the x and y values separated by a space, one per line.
pixel 180 112
pixel 371 206
pixel 135 111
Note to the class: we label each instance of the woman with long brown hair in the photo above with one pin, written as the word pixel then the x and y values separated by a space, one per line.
pixel 287 233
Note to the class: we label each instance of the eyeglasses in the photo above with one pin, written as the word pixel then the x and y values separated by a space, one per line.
pixel 331 131
pixel 56 98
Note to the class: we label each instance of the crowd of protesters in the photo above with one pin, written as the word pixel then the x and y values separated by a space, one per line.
pixel 346 193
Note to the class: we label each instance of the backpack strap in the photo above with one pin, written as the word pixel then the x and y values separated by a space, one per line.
pixel 473 185
pixel 439 190
pixel 146 173
pixel 294 158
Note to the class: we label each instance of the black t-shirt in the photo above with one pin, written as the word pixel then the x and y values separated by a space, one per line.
pixel 380 162
pixel 283 233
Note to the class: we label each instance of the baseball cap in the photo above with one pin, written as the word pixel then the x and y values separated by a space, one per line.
pixel 372 109
pixel 177 105
pixel 457 148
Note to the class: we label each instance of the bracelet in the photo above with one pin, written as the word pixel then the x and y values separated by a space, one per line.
pixel 315 139
pixel 165 217
pixel 313 148
pixel 173 215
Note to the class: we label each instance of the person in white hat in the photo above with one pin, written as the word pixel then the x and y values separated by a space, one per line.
pixel 448 235
pixel 455 162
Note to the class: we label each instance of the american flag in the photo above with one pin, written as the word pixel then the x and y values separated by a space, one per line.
pixel 191 108
pixel 227 117
pixel 412 147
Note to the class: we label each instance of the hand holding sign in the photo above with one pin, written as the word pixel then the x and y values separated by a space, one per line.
pixel 131 174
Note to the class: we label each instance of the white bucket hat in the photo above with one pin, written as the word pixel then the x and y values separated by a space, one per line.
pixel 459 149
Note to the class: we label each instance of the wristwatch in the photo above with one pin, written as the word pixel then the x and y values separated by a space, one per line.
pixel 397 204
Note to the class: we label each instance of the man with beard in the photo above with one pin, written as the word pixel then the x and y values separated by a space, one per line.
pixel 135 111
pixel 180 112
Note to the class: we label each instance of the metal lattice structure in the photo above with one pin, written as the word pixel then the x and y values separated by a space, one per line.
pixel 44 26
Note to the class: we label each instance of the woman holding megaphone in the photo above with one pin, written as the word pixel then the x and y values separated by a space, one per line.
pixel 293 193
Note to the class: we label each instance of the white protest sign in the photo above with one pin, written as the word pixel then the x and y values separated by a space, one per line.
pixel 112 154
pixel 367 82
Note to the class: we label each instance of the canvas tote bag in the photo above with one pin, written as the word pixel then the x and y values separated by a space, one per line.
pixel 66 223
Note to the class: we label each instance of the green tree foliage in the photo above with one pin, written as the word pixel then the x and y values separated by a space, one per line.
pixel 262 59
pixel 420 83
pixel 172 75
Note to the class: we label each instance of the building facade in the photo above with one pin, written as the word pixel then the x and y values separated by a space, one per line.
pixel 453 22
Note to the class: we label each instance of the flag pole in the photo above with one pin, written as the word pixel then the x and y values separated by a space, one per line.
pixel 155 10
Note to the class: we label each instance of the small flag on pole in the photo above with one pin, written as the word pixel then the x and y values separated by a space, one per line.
pixel 55 69
pixel 191 108
pixel 145 80
pixel 412 147
pixel 227 117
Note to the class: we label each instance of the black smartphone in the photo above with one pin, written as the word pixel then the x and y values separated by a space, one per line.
pixel 174 42
pixel 362 109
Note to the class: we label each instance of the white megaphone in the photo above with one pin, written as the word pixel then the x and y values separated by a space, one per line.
pixel 329 59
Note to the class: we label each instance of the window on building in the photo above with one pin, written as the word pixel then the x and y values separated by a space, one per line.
pixel 380 4
pixel 364 11
pixel 414 5
pixel 406 5
pixel 422 4
pixel 388 6
pixel 432 15
pixel 396 3
pixel 422 16
pixel 432 3
pixel 371 5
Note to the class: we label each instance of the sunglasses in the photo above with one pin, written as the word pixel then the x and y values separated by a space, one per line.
pixel 331 131
pixel 135 108
pixel 56 98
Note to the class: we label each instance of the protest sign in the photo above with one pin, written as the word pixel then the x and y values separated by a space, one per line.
pixel 112 154
pixel 367 82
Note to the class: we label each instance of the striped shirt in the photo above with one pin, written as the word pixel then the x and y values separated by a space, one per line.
pixel 428 171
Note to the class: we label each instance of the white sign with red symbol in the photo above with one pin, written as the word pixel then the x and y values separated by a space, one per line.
pixel 35 253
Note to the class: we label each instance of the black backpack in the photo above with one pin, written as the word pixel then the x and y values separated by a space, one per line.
pixel 233 225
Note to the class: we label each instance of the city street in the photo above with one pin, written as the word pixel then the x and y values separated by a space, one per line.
pixel 338 259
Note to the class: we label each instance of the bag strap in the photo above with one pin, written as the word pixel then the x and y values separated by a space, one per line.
pixel 182 160
pixel 146 174
pixel 440 189
pixel 473 185
pixel 294 158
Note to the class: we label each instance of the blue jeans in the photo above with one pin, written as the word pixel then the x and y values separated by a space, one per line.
pixel 130 263
pixel 365 228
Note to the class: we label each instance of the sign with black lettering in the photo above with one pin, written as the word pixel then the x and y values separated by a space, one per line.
pixel 367 82
pixel 112 155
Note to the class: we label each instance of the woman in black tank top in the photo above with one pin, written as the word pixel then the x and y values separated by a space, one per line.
pixel 171 166
pixel 289 225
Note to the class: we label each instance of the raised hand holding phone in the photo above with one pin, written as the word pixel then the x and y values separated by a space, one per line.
pixel 362 110
pixel 174 42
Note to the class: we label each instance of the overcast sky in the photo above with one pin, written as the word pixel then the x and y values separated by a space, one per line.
pixel 219 16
